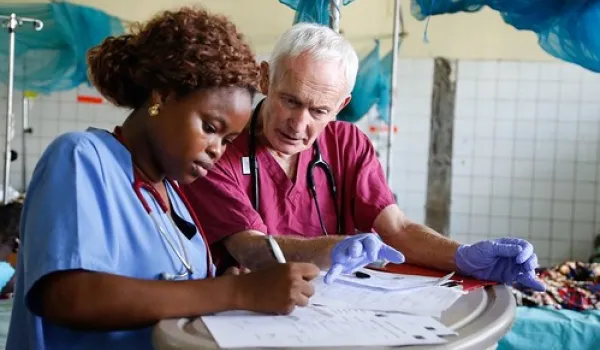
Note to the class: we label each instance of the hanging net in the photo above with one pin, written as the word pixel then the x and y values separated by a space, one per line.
pixel 54 59
pixel 367 89
pixel 314 11
pixel 566 29
pixel 373 87
pixel 385 90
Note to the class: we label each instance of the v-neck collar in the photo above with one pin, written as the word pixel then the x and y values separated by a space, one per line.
pixel 290 188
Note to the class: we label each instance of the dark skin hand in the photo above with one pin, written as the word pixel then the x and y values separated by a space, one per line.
pixel 295 279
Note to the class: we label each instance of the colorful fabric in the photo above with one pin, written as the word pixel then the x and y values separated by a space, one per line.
pixel 571 285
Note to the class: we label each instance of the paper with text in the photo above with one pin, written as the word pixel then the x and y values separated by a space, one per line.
pixel 423 301
pixel 389 281
pixel 427 322
pixel 323 326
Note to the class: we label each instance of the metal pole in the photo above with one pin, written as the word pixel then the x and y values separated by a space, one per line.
pixel 25 130
pixel 393 85
pixel 12 24
pixel 334 15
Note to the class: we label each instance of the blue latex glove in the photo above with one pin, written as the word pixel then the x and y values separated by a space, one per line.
pixel 358 251
pixel 505 260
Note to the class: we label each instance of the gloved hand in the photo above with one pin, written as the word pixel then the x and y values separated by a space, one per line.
pixel 505 260
pixel 357 251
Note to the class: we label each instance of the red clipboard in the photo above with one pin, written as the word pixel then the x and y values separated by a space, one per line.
pixel 408 269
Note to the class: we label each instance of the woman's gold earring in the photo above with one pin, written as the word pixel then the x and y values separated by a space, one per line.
pixel 153 110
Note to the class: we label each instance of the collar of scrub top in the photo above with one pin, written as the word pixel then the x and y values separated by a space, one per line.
pixel 317 161
pixel 139 182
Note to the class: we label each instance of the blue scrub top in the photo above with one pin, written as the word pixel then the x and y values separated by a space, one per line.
pixel 81 212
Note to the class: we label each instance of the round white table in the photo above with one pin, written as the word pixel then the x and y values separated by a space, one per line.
pixel 481 318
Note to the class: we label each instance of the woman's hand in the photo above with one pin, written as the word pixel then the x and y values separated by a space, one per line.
pixel 277 289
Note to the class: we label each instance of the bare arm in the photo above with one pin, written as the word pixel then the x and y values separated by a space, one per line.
pixel 102 302
pixel 420 244
pixel 250 249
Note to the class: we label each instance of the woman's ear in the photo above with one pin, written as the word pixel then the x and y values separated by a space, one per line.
pixel 161 97
pixel 264 78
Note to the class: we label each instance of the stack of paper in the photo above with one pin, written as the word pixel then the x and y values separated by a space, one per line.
pixel 391 281
pixel 379 309
pixel 321 326
pixel 415 295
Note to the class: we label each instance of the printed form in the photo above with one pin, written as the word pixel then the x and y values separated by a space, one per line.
pixel 349 312
pixel 391 281
pixel 425 300
pixel 321 327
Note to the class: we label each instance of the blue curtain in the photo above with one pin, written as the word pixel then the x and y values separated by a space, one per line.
pixel 314 11
pixel 566 29
pixel 54 59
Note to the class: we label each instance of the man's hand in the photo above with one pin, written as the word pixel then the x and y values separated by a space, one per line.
pixel 357 251
pixel 505 260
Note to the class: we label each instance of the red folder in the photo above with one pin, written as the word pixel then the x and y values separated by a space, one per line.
pixel 408 269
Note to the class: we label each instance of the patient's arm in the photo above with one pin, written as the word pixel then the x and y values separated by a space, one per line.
pixel 251 250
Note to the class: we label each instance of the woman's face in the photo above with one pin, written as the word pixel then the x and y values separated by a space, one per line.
pixel 190 133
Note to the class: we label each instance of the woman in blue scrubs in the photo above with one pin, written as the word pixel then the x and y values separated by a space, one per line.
pixel 108 244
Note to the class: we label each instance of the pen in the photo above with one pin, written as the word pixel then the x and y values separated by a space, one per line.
pixel 275 249
pixel 451 284
pixel 360 274
pixel 445 279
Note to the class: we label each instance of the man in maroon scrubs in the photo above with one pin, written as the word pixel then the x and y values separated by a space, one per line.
pixel 308 80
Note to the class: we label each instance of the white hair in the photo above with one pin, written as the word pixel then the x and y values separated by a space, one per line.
pixel 322 43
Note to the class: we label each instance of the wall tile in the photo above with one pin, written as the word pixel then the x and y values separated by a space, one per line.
pixel 545 136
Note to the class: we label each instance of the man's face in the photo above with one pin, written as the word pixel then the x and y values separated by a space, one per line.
pixel 304 96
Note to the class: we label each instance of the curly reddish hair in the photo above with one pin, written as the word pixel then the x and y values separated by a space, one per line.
pixel 176 51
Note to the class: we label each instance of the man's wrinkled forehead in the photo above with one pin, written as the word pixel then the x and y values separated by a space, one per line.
pixel 305 74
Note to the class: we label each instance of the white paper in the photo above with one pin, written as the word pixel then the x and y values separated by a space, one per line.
pixel 390 281
pixel 427 322
pixel 320 327
pixel 423 301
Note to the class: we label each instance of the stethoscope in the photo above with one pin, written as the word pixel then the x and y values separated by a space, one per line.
pixel 140 184
pixel 317 161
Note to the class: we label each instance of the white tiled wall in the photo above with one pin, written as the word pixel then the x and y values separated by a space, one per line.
pixel 525 149
pixel 410 145
pixel 526 155
pixel 49 116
